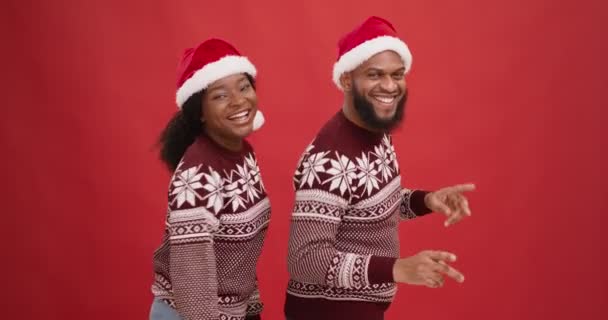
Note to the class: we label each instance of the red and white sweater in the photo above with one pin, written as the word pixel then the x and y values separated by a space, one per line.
pixel 344 230
pixel 217 217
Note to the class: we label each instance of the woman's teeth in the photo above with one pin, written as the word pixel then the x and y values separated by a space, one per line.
pixel 239 116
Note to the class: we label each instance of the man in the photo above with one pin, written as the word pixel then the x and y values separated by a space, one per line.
pixel 344 247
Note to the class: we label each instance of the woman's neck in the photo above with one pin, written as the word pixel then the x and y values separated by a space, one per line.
pixel 231 144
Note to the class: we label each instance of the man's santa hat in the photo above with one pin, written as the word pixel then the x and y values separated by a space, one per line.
pixel 208 62
pixel 375 35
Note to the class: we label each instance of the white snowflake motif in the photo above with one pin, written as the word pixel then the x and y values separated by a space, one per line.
pixel 254 172
pixel 313 165
pixel 303 158
pixel 233 191
pixel 390 151
pixel 343 172
pixel 177 170
pixel 247 180
pixel 185 183
pixel 306 153
pixel 367 174
pixel 383 162
pixel 215 187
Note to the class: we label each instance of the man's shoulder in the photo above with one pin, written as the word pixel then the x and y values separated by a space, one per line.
pixel 331 136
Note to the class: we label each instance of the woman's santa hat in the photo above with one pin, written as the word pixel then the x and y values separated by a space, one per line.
pixel 375 35
pixel 208 62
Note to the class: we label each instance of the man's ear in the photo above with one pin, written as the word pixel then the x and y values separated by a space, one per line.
pixel 346 81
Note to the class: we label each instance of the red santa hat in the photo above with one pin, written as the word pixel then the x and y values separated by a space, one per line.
pixel 375 35
pixel 208 62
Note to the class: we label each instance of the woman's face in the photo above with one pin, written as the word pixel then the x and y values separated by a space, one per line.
pixel 229 106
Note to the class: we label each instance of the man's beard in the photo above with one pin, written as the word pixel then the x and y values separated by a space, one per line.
pixel 369 117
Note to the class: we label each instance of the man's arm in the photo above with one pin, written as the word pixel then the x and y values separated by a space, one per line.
pixel 313 257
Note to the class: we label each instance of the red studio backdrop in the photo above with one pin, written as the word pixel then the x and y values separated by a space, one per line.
pixel 509 94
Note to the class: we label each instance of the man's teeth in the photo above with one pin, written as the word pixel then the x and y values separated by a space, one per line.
pixel 239 115
pixel 385 99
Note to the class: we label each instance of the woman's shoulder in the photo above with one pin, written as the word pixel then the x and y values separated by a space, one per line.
pixel 195 154
pixel 206 152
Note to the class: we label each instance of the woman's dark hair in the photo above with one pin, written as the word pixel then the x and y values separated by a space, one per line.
pixel 181 131
pixel 183 128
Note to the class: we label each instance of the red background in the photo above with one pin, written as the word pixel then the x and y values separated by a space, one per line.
pixel 507 94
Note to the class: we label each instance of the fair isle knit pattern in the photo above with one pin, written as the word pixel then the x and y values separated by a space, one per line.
pixel 344 232
pixel 217 217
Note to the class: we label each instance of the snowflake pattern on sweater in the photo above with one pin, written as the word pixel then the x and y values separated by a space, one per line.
pixel 354 179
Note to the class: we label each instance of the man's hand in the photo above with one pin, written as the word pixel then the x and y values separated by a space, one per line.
pixel 427 268
pixel 451 202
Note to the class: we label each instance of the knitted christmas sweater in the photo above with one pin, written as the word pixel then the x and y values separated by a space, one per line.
pixel 344 228
pixel 217 217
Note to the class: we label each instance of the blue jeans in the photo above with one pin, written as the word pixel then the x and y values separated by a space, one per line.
pixel 162 311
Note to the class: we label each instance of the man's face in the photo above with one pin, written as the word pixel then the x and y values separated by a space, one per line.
pixel 378 90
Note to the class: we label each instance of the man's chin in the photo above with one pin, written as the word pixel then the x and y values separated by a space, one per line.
pixel 384 115
pixel 386 120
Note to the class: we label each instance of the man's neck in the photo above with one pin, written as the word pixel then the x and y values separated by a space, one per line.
pixel 351 114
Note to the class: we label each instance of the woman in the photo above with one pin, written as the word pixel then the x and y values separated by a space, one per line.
pixel 218 211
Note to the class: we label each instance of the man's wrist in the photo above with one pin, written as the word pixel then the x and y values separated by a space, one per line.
pixel 381 269
pixel 418 202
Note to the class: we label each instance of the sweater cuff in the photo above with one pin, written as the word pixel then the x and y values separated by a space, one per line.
pixel 417 204
pixel 380 270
